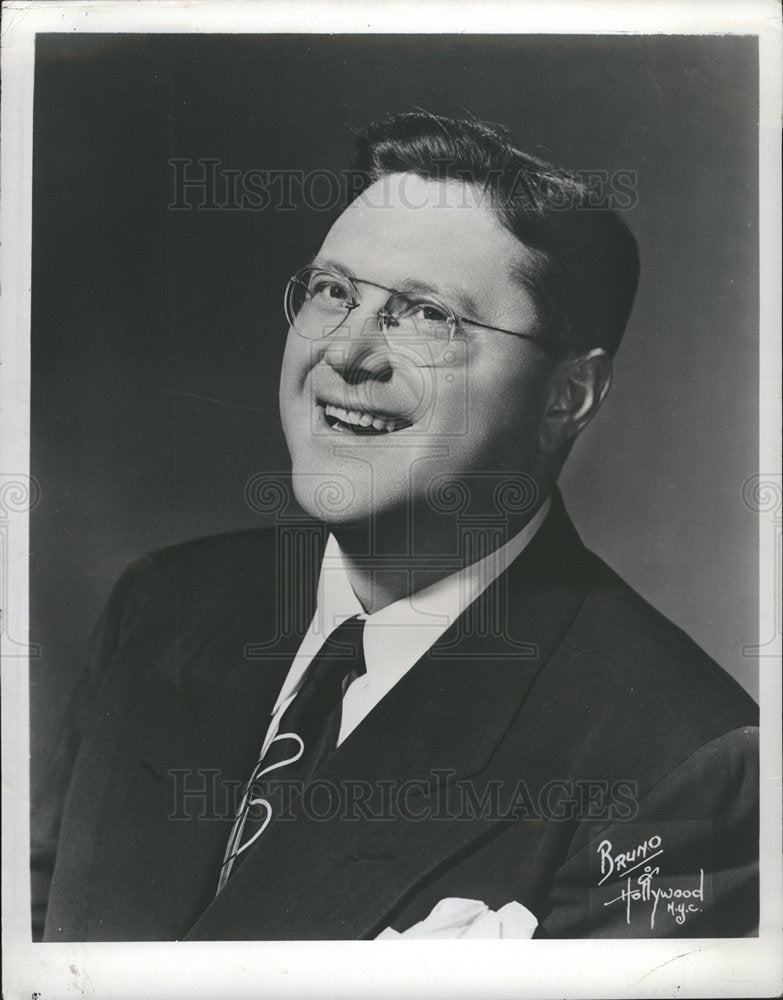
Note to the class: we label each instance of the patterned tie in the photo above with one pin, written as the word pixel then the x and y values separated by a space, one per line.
pixel 306 735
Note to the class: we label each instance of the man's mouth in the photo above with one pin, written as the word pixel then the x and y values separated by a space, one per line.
pixel 360 421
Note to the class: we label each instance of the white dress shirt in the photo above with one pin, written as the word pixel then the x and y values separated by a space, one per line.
pixel 397 636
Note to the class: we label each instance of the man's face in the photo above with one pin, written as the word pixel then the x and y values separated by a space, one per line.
pixel 371 425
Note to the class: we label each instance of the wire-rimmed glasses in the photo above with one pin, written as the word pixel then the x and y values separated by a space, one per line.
pixel 318 301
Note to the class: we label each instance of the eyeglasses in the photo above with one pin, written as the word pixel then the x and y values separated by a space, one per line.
pixel 318 301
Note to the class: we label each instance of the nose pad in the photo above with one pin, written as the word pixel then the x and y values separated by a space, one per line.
pixel 386 319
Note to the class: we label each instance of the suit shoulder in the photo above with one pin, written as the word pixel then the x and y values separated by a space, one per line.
pixel 627 691
pixel 166 592
pixel 213 565
pixel 648 657
pixel 235 548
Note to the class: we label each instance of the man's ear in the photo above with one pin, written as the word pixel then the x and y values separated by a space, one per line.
pixel 577 389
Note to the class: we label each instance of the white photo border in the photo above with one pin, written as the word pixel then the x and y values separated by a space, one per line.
pixel 650 968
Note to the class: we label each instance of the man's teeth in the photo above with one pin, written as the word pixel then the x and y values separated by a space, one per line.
pixel 358 418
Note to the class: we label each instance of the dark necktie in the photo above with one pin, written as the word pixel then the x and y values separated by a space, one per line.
pixel 306 735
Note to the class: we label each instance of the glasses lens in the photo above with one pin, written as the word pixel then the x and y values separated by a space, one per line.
pixel 420 319
pixel 317 301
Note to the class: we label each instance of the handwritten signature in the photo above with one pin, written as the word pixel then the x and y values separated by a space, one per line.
pixel 682 901
pixel 627 861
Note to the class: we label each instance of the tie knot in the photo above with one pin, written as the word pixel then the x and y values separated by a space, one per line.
pixel 343 651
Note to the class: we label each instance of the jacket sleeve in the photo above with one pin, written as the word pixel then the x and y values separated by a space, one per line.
pixel 49 796
pixel 685 865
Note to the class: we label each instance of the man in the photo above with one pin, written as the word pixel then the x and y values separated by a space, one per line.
pixel 479 729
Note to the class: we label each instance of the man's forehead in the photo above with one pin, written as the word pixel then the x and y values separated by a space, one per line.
pixel 411 191
pixel 407 202
pixel 410 226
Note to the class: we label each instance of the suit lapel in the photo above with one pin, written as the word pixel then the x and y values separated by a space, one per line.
pixel 202 709
pixel 326 873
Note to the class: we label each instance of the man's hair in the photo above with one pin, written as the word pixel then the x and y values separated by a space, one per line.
pixel 585 262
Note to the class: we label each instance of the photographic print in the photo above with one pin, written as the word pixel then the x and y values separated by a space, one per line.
pixel 391 502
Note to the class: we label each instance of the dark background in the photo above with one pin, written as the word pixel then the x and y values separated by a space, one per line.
pixel 157 335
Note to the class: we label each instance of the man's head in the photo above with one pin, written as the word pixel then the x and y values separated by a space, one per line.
pixel 457 322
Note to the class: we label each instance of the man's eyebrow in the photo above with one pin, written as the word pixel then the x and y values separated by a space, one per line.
pixel 332 265
pixel 464 302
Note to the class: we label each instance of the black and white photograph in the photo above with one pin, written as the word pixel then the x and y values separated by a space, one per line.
pixel 391 500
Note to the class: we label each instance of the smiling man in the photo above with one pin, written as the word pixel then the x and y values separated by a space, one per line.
pixel 416 352
pixel 476 729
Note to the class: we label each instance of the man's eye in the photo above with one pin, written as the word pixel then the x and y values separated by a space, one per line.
pixel 429 313
pixel 328 289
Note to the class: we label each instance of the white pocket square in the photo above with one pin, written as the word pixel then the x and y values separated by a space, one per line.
pixel 469 918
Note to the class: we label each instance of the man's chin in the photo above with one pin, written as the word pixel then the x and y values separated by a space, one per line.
pixel 346 505
pixel 330 497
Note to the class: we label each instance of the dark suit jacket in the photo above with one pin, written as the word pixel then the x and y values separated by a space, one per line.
pixel 562 745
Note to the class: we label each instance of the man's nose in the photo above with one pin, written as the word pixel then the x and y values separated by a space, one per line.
pixel 358 349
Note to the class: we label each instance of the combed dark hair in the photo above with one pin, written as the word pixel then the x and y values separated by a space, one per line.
pixel 585 260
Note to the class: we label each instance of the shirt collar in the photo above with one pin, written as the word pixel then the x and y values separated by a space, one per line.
pixel 398 635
